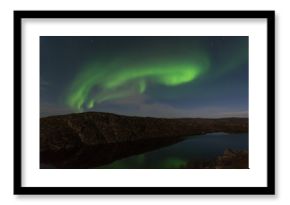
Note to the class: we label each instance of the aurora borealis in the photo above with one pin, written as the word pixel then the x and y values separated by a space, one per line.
pixel 126 81
pixel 145 76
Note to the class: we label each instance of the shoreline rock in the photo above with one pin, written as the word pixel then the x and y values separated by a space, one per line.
pixel 231 159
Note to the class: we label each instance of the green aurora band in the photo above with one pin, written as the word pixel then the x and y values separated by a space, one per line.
pixel 99 82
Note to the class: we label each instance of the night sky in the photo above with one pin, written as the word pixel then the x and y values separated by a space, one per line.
pixel 160 76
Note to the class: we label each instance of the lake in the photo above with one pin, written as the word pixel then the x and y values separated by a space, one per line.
pixel 168 154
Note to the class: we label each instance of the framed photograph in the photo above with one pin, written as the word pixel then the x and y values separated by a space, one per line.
pixel 144 102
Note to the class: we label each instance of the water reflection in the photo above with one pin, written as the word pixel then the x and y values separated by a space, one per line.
pixel 96 156
pixel 199 148
pixel 147 154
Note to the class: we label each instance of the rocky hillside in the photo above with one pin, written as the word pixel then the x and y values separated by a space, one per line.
pixel 92 128
pixel 75 140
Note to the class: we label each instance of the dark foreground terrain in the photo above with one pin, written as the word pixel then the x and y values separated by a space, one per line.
pixel 78 140
pixel 231 159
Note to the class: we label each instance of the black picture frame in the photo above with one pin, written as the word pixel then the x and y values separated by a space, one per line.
pixel 269 189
